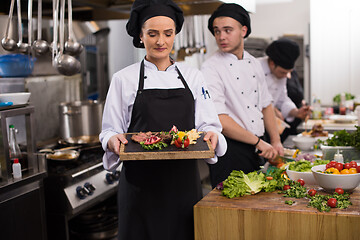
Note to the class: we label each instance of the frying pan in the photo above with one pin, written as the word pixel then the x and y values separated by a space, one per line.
pixel 63 154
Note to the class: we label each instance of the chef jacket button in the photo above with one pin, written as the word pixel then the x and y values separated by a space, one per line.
pixel 140 92
pixel 252 120
pixel 237 78
pixel 255 90
pixel 262 118
pixel 253 76
pixel 248 107
pixel 145 77
pixel 265 74
pixel 255 105
pixel 178 77
pixel 230 64
pixel 242 92
pixel 249 61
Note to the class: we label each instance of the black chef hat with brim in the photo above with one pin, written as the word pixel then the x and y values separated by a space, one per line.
pixel 143 10
pixel 234 11
pixel 283 52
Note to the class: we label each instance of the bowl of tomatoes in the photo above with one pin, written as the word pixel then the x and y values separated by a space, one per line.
pixel 337 175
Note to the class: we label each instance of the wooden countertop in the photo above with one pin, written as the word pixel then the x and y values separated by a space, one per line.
pixel 266 216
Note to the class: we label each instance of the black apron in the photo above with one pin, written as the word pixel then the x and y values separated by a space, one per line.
pixel 156 197
pixel 239 156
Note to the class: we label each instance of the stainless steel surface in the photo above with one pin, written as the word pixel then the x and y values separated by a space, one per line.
pixel 80 118
pixel 30 143
pixel 100 184
pixel 22 47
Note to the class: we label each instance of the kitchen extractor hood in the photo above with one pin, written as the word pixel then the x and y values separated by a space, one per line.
pixel 85 10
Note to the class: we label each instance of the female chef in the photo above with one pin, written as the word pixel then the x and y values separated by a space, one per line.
pixel 156 198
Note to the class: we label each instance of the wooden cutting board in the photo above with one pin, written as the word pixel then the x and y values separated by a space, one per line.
pixel 266 216
pixel 133 151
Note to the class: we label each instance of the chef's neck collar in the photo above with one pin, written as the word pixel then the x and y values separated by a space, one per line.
pixel 154 67
pixel 245 55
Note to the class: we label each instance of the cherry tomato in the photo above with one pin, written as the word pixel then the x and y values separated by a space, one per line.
pixel 332 202
pixel 177 144
pixel 339 166
pixel 353 164
pixel 327 166
pixel 301 181
pixel 312 192
pixel 286 187
pixel 332 163
pixel 269 178
pixel 182 142
pixel 347 165
pixel 339 191
pixel 358 169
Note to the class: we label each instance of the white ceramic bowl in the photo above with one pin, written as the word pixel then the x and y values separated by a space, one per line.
pixel 15 98
pixel 304 143
pixel 308 177
pixel 329 182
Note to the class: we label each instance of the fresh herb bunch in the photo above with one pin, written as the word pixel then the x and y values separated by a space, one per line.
pixel 337 97
pixel 158 145
pixel 320 201
pixel 343 138
pixel 295 191
pixel 289 202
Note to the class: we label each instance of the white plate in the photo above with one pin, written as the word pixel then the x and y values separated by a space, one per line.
pixel 323 138
pixel 343 118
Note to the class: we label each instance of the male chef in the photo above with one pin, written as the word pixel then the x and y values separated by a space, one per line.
pixel 237 86
pixel 277 66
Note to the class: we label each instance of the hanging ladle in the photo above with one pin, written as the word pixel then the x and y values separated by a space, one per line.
pixel 72 47
pixel 23 47
pixel 40 46
pixel 64 63
pixel 7 43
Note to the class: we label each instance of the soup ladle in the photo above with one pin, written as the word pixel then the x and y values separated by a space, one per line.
pixel 7 43
pixel 40 46
pixel 64 63
pixel 23 47
pixel 71 45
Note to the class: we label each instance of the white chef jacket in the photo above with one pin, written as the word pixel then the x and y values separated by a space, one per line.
pixel 121 96
pixel 278 91
pixel 238 89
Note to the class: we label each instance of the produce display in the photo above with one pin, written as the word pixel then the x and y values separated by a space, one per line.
pixel 334 167
pixel 239 184
pixel 160 140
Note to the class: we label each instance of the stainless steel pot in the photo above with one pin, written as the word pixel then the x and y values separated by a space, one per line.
pixel 79 119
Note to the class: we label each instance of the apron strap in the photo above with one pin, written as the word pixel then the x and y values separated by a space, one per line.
pixel 142 74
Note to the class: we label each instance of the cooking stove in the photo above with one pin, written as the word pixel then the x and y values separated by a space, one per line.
pixel 74 186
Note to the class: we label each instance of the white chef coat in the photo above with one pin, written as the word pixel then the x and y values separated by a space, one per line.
pixel 121 96
pixel 278 91
pixel 238 89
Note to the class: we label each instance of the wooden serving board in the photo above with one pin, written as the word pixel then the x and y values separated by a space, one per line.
pixel 133 151
pixel 266 216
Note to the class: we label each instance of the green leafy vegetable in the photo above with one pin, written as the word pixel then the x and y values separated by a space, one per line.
pixel 290 202
pixel 337 97
pixel 305 166
pixel 158 145
pixel 320 201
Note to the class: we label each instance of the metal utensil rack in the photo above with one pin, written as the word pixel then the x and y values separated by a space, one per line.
pixel 28 111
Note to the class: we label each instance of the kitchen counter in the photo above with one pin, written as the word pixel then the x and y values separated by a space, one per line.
pixel 266 216
pixel 329 125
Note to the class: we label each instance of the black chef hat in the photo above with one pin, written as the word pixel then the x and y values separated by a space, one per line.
pixel 283 52
pixel 142 10
pixel 234 11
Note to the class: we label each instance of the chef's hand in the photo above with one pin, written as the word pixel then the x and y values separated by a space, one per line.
pixel 303 112
pixel 213 137
pixel 278 147
pixel 267 151
pixel 114 142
